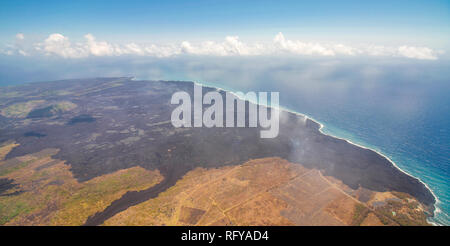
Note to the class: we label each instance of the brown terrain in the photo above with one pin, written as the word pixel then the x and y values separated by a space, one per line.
pixel 45 192
pixel 266 191
pixel 269 191
pixel 102 151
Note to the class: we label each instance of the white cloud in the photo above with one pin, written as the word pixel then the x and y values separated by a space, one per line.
pixel 20 36
pixel 230 47
pixel 346 50
pixel 301 48
pixel 308 48
pixel 379 50
pixel 417 52
pixel 59 45
pixel 161 51
pixel 23 52
pixel 133 48
pixel 17 48
pixel 98 48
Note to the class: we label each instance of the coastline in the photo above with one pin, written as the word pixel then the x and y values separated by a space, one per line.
pixel 303 141
pixel 436 209
pixel 322 126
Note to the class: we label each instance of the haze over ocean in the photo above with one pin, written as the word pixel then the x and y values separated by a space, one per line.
pixel 397 107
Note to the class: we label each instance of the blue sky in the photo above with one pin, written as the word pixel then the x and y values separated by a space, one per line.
pixel 385 22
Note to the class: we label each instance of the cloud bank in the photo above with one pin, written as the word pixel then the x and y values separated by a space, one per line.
pixel 59 45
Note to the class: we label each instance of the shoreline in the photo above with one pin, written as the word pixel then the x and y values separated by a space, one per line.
pixel 317 125
pixel 281 108
pixel 383 155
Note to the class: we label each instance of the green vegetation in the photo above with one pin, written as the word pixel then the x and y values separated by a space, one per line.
pixel 10 211
pixel 359 214
pixel 48 194
pixel 9 94
pixel 401 195
pixel 28 109
pixel 51 110
pixel 95 195
pixel 404 213
pixel 54 93
pixel 5 170
pixel 6 148
pixel 20 110
pixel 383 219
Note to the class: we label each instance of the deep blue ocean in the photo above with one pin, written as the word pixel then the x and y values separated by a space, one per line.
pixel 400 108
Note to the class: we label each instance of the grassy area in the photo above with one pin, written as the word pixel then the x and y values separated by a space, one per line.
pixel 36 109
pixel 10 211
pixel 50 195
pixel 4 170
pixel 51 110
pixel 9 94
pixel 401 195
pixel 6 148
pixel 95 195
pixel 54 93
pixel 404 212
pixel 20 110
pixel 360 212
